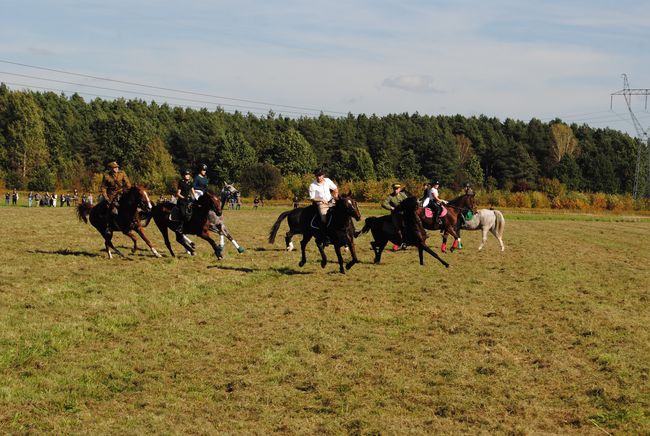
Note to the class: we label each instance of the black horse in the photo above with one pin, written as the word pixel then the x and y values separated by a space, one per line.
pixel 199 224
pixel 128 218
pixel 295 221
pixel 383 230
pixel 340 229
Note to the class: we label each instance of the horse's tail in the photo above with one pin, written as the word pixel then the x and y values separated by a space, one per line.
pixel 146 216
pixel 82 212
pixel 500 223
pixel 276 226
pixel 367 225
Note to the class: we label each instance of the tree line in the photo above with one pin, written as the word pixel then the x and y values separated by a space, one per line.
pixel 49 139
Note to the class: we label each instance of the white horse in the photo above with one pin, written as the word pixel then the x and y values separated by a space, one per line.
pixel 487 220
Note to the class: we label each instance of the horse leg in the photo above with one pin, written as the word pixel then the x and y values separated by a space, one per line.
pixel 433 253
pixel 337 250
pixel 146 240
pixel 379 248
pixel 215 247
pixel 109 244
pixel 484 232
pixel 493 230
pixel 287 241
pixel 303 244
pixel 421 254
pixel 353 253
pixel 165 234
pixel 225 232
pixel 443 247
pixel 180 238
pixel 134 239
pixel 323 256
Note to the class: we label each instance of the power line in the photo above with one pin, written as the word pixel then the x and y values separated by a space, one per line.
pixel 27 86
pixel 142 93
pixel 171 89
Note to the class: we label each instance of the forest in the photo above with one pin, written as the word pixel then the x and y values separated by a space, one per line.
pixel 50 140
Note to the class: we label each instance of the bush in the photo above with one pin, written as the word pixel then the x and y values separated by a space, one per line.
pixel 262 178
pixel 552 187
pixel 519 199
pixel 599 201
pixel 41 180
pixel 539 200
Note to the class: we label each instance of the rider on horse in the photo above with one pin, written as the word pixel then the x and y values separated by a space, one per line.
pixel 322 193
pixel 185 193
pixel 390 203
pixel 434 202
pixel 114 183
pixel 201 182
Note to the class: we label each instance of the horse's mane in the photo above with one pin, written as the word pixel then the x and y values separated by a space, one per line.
pixel 458 199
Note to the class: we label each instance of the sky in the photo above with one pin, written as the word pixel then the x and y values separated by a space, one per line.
pixel 505 59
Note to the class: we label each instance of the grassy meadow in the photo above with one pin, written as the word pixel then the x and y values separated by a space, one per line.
pixel 550 336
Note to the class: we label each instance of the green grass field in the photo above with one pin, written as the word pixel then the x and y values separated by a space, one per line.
pixel 550 336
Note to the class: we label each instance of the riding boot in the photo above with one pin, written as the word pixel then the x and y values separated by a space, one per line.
pixel 326 238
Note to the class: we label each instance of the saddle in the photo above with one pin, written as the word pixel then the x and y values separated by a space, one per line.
pixel 429 213
pixel 175 214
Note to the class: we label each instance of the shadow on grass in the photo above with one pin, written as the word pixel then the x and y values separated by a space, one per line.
pixel 268 249
pixel 290 271
pixel 66 252
pixel 233 268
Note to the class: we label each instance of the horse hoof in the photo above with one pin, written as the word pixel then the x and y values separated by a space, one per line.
pixel 342 271
pixel 240 250
pixel 323 264
pixel 301 264
pixel 349 265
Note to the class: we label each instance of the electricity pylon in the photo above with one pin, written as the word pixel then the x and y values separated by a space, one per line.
pixel 642 134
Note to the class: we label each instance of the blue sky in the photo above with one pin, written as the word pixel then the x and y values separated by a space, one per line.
pixel 499 58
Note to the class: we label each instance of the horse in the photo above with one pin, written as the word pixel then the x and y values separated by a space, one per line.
pixel 486 220
pixel 450 218
pixel 199 224
pixel 383 230
pixel 228 194
pixel 128 218
pixel 295 222
pixel 340 230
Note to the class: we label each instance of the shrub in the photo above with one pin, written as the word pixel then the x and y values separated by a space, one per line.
pixel 552 187
pixel 519 199
pixel 539 200
pixel 599 201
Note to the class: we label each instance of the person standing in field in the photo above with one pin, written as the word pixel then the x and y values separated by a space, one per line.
pixel 14 198
pixel 296 202
pixel 322 193
pixel 30 198
pixel 7 198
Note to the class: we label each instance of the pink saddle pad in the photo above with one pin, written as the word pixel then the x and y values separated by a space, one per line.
pixel 429 213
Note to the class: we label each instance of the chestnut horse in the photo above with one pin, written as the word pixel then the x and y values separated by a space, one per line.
pixel 128 218
pixel 450 221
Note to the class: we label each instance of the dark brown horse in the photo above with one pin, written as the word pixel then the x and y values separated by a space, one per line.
pixel 340 230
pixel 450 221
pixel 128 218
pixel 199 224
pixel 383 230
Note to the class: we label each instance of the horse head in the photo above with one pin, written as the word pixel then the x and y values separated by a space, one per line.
pixel 137 197
pixel 350 205
pixel 212 202
pixel 471 202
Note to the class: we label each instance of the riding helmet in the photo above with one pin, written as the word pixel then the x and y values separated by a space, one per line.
pixel 187 171
pixel 204 167
pixel 435 182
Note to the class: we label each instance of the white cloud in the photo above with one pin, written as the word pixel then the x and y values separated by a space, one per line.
pixel 412 83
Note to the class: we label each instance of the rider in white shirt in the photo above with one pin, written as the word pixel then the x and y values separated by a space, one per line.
pixel 322 192
pixel 435 202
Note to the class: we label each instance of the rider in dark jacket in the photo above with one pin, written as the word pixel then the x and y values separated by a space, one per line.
pixel 201 182
pixel 184 193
